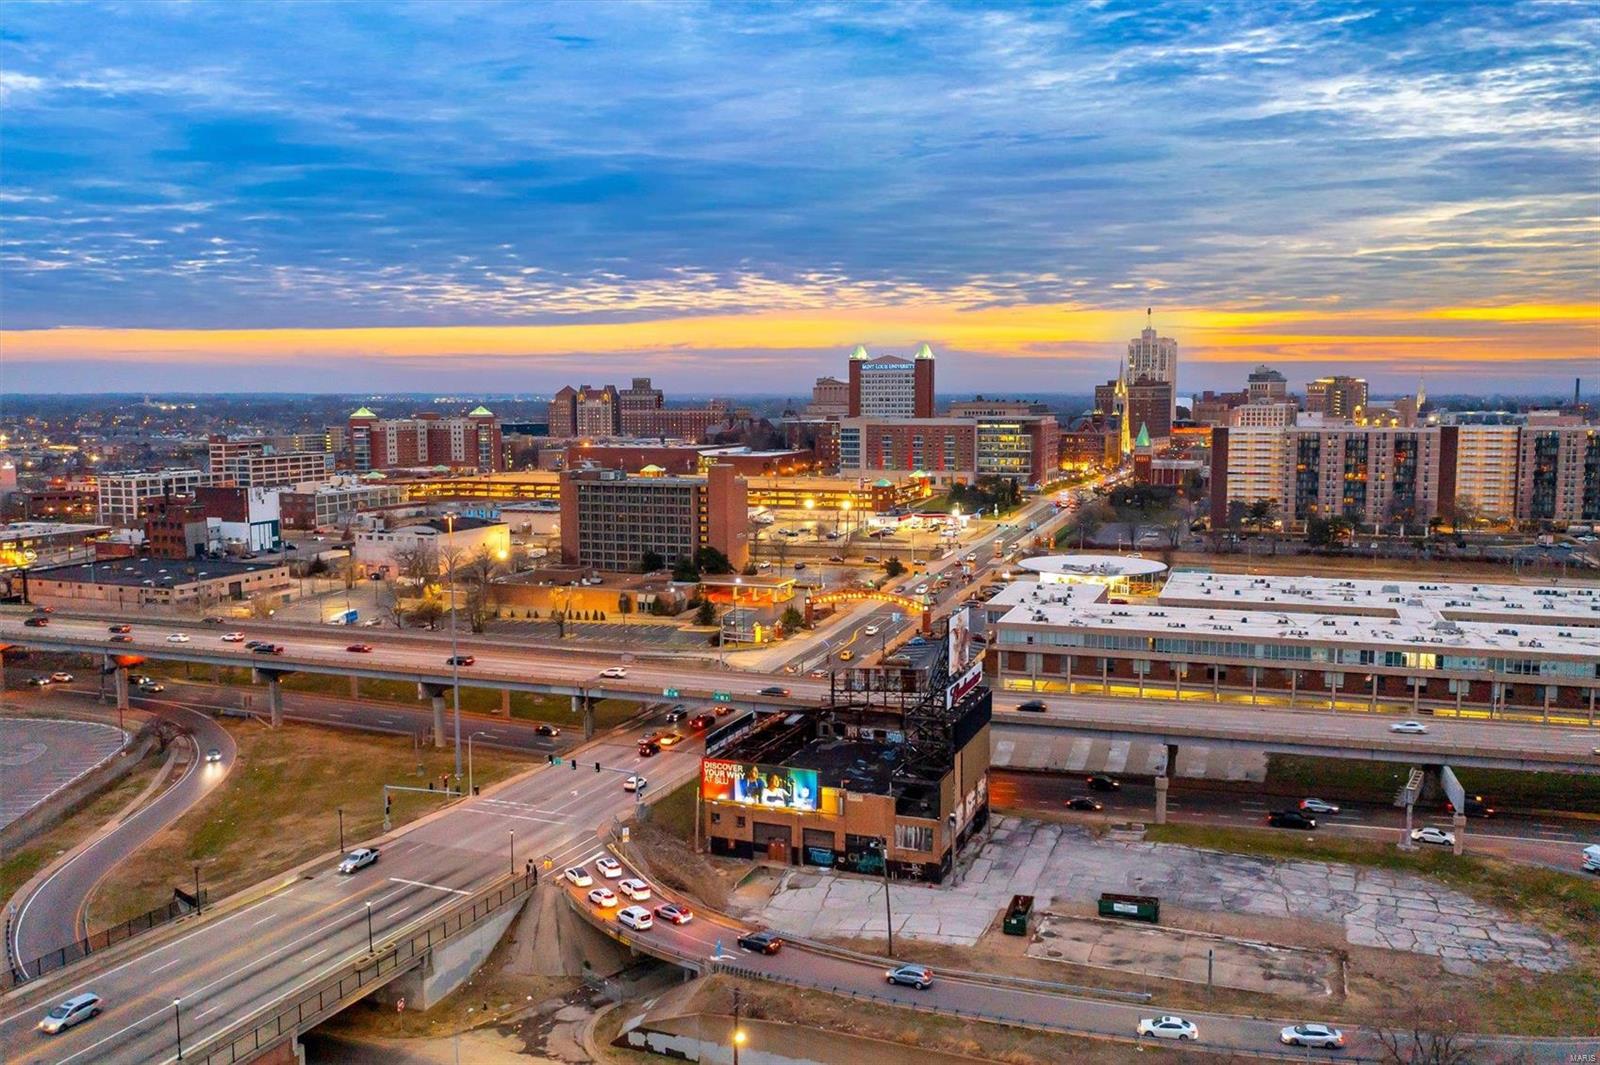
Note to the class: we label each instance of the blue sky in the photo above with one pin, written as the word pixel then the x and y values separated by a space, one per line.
pixel 1013 183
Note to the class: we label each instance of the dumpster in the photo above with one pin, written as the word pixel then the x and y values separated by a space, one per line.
pixel 1016 922
pixel 1131 907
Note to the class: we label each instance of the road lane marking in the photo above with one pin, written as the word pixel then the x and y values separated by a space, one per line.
pixel 397 913
pixel 436 887
pixel 169 965
pixel 263 920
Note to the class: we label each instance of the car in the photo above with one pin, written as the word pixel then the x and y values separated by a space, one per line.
pixel 835 558
pixel 917 976
pixel 774 689
pixel 702 721
pixel 232 637
pixel 614 671
pixel 635 783
pixel 670 739
pixel 39 682
pixel 1168 1028
pixel 119 628
pixel 1083 802
pixel 1033 706
pixel 359 858
pixel 761 942
pixel 213 756
pixel 578 876
pixel 178 637
pixel 922 589
pixel 122 637
pixel 69 1012
pixel 372 623
pixel 546 730
pixel 609 867
pixel 677 714
pixel 1318 806
pixel 37 623
pixel 267 649
pixel 1433 834
pixel 870 558
pixel 151 687
pixel 251 645
pixel 1291 819
pixel 798 566
pixel 649 748
pixel 1476 806
pixel 603 897
pixel 634 888
pixel 1409 728
pixel 460 660
pixel 1104 783
pixel 360 648
pixel 677 914
pixel 214 620
pixel 870 630
pixel 1312 1035
pixel 846 655
pixel 635 917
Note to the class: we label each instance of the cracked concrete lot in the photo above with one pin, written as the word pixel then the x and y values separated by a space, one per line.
pixel 1065 865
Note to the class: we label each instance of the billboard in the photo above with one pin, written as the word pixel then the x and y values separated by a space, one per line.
pixel 751 784
pixel 960 640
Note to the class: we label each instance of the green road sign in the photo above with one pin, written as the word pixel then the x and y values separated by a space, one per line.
pixel 670 693
pixel 721 697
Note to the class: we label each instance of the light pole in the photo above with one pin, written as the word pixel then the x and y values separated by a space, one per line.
pixel 341 830
pixel 738 1033
pixel 177 1021
pixel 845 506
pixel 469 758
pixel 888 914
pixel 512 851
pixel 816 531
pixel 455 656
pixel 369 929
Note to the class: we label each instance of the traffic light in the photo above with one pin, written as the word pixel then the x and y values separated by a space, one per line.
pixel 551 759
pixel 597 767
pixel 388 803
pixel 574 765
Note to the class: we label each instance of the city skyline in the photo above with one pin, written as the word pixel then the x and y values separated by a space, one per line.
pixel 495 198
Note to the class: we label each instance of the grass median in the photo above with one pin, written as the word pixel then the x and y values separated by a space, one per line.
pixel 1349 778
pixel 279 806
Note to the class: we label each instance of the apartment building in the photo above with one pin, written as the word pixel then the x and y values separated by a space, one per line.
pixel 1337 398
pixel 1559 474
pixel 125 494
pixel 259 463
pixel 1487 460
pixel 610 520
pixel 472 441
pixel 891 387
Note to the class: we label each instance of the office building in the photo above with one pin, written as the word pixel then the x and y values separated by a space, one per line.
pixel 472 441
pixel 124 495
pixel 1149 408
pixel 1337 398
pixel 997 408
pixel 610 520
pixel 330 506
pixel 1559 474
pixel 830 398
pixel 1213 408
pixel 1266 385
pixel 1263 415
pixel 258 463
pixel 951 450
pixel 1312 642
pixel 891 387
pixel 635 406
pixel 1154 358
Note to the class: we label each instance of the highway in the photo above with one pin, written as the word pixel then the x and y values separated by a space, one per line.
pixel 51 914
pixel 234 963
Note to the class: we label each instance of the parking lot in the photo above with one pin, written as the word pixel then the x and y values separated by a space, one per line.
pixel 40 756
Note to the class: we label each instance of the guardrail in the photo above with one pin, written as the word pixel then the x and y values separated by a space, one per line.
pixel 20 972
pixel 258 1032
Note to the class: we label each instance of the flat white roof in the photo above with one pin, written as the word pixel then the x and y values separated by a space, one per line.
pixel 1094 566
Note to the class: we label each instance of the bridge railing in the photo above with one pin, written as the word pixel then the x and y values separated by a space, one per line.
pixel 258 1032
pixel 21 970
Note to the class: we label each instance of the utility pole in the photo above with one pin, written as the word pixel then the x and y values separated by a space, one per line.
pixel 738 1034
pixel 455 655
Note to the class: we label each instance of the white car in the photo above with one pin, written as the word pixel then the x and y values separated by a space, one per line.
pixel 922 589
pixel 635 917
pixel 60 677
pixel 1410 728
pixel 635 784
pixel 1168 1028
pixel 609 868
pixel 614 671
pixel 233 637
pixel 603 897
pixel 70 1012
pixel 578 876
pixel 178 637
pixel 634 888
pixel 1318 806
pixel 870 630
pixel 1312 1035
pixel 358 859
pixel 1434 835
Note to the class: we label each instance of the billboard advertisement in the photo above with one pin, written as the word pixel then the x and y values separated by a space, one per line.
pixel 758 785
pixel 960 641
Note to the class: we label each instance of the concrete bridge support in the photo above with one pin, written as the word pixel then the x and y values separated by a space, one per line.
pixel 436 698
pixel 275 698
pixel 450 965
pixel 120 682
pixel 583 706
pixel 1163 779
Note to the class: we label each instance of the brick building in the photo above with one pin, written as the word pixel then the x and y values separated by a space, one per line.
pixel 472 441
pixel 610 519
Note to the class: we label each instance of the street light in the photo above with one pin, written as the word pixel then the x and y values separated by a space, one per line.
pixel 882 847
pixel 469 759
pixel 512 851
pixel 811 504
pixel 455 663
pixel 738 1033
pixel 177 1021
pixel 369 929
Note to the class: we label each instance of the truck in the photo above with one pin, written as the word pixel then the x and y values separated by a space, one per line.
pixel 1591 858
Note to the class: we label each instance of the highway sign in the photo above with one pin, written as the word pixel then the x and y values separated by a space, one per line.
pixel 670 693
pixel 721 697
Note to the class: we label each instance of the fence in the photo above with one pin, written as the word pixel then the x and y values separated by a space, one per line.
pixel 19 972
pixel 258 1032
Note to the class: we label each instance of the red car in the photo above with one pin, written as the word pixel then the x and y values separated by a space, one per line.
pixel 460 660
pixel 360 648
pixel 702 721
pixel 37 623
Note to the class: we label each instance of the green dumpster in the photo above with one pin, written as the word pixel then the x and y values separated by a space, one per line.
pixel 1131 907
pixel 1016 921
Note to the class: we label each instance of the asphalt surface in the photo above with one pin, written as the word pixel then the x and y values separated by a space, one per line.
pixel 51 914
pixel 40 756
pixel 232 965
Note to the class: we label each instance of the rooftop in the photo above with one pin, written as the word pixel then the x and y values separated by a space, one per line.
pixel 166 572
pixel 1092 567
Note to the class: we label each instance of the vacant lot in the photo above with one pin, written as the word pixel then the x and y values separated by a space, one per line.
pixel 279 807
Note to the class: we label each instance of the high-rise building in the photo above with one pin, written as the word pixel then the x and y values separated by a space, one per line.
pixel 610 520
pixel 1487 457
pixel 1150 407
pixel 562 414
pixel 1266 385
pixel 599 411
pixel 1337 398
pixel 637 411
pixel 636 405
pixel 1263 415
pixel 891 387
pixel 472 441
pixel 1559 474
pixel 1154 358
pixel 1213 408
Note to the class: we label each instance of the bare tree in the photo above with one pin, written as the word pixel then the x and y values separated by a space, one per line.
pixel 391 605
pixel 1436 1032
pixel 419 564
pixel 476 573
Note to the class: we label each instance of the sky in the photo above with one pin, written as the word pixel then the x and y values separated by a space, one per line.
pixel 729 197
